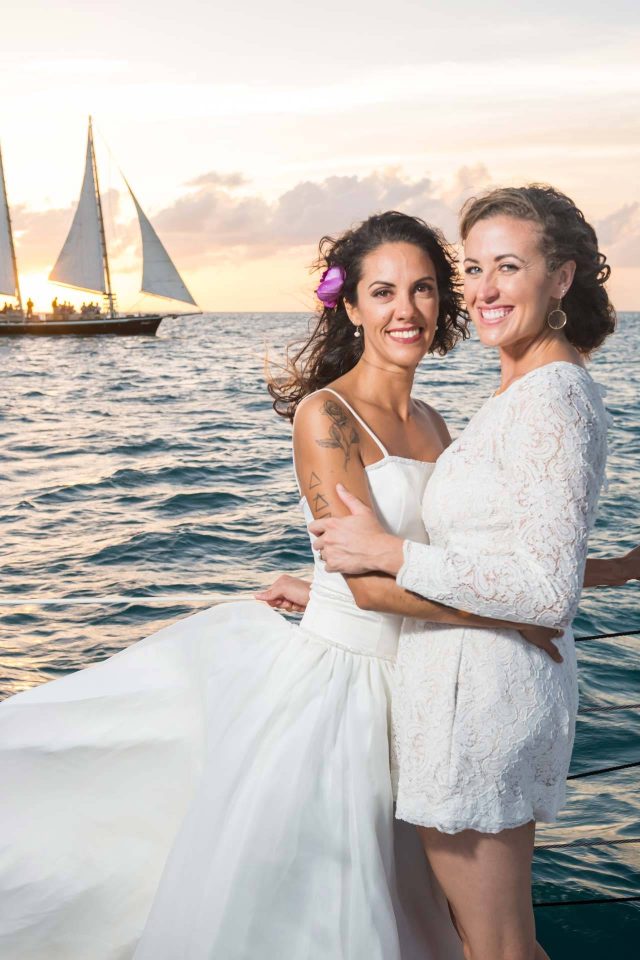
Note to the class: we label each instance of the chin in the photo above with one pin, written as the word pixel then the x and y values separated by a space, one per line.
pixel 409 358
pixel 490 338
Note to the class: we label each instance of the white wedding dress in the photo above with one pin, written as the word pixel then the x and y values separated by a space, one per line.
pixel 222 790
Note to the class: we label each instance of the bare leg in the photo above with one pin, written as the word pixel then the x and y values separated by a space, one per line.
pixel 486 878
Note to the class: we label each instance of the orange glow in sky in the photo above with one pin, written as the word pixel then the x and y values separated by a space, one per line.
pixel 245 146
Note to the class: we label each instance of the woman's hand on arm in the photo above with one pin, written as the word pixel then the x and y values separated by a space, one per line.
pixel 356 543
pixel 613 571
pixel 287 593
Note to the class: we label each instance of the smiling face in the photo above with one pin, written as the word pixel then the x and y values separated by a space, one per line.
pixel 508 287
pixel 397 304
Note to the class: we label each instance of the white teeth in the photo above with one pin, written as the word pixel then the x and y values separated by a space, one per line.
pixel 497 314
pixel 404 334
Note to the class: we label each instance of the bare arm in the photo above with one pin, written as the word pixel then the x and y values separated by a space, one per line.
pixel 613 571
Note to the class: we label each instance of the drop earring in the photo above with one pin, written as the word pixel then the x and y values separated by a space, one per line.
pixel 557 319
pixel 356 332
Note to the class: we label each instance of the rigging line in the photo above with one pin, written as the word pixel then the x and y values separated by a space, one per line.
pixel 595 773
pixel 607 636
pixel 587 842
pixel 579 903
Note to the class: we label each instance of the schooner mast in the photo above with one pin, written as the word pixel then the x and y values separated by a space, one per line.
pixel 103 239
pixel 9 281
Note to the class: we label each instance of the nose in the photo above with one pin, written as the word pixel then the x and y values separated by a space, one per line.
pixel 487 289
pixel 404 308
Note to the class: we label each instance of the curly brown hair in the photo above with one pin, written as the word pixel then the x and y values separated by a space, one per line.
pixel 331 350
pixel 565 235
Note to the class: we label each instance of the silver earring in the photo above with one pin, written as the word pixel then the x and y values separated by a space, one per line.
pixel 356 332
pixel 557 319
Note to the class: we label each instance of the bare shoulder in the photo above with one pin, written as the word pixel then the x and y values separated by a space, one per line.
pixel 437 421
pixel 323 420
pixel 320 404
pixel 326 442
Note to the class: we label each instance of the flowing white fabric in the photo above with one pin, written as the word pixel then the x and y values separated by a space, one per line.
pixel 483 721
pixel 221 791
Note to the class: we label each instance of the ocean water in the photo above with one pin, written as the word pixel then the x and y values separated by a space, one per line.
pixel 134 469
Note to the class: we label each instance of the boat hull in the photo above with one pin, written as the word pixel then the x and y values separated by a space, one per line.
pixel 83 326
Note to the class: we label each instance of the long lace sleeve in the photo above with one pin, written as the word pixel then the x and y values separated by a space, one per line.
pixel 552 436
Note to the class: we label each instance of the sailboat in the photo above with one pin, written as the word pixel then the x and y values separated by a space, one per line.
pixel 83 264
pixel 9 282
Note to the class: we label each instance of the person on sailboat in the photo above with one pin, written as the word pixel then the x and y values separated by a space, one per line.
pixel 29 308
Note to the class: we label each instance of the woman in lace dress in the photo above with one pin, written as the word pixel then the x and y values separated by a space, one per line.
pixel 484 722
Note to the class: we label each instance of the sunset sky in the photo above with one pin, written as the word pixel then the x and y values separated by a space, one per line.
pixel 248 130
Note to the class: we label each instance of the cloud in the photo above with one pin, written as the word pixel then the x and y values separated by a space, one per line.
pixel 467 182
pixel 213 178
pixel 619 236
pixel 213 222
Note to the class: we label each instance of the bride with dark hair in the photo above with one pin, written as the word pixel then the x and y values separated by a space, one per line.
pixel 224 788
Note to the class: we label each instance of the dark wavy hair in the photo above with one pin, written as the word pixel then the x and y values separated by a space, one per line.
pixel 331 349
pixel 565 235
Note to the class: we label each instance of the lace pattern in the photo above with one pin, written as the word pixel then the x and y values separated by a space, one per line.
pixel 484 722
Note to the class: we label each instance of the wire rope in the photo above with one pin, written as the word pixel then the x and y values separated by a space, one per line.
pixel 596 773
pixel 588 842
pixel 608 636
pixel 584 902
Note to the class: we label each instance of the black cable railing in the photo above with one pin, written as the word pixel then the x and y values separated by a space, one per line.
pixel 607 708
pixel 596 841
pixel 587 900
pixel 588 842
pixel 596 773
pixel 609 636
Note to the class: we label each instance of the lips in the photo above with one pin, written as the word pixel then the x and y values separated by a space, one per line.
pixel 405 334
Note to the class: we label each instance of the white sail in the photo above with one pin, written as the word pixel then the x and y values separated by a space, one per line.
pixel 81 262
pixel 8 279
pixel 159 275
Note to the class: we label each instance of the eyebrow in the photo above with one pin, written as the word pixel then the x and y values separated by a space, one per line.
pixel 502 256
pixel 387 283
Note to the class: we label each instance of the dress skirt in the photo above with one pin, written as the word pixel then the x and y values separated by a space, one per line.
pixel 484 724
pixel 222 790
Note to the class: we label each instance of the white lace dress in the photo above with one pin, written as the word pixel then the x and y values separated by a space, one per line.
pixel 483 721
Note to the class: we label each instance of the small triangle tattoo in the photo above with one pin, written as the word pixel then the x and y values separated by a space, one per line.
pixel 314 481
pixel 320 502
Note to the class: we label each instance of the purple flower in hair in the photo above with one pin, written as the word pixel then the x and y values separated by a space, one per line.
pixel 331 284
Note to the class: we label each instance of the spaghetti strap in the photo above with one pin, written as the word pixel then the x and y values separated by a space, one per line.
pixel 383 449
pixel 385 452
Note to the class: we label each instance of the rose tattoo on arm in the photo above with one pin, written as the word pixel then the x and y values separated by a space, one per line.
pixel 342 434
